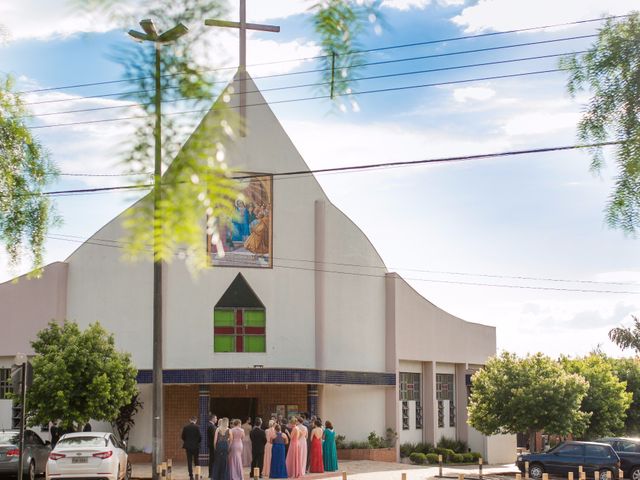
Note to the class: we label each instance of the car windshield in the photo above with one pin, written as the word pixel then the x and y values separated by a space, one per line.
pixel 9 438
pixel 83 442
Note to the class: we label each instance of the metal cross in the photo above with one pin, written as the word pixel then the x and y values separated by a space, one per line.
pixel 243 26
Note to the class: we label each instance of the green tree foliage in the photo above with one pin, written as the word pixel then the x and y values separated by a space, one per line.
pixel 610 70
pixel 198 183
pixel 628 370
pixel 627 337
pixel 512 395
pixel 606 401
pixel 25 170
pixel 78 376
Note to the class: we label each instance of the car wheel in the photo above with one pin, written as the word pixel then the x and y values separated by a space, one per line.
pixel 635 473
pixel 31 473
pixel 602 475
pixel 536 470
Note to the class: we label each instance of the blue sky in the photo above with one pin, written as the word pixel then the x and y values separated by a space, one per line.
pixel 531 216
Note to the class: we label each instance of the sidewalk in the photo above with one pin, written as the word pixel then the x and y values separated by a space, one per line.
pixel 357 470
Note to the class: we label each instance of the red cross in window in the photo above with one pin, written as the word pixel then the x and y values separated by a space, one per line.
pixel 239 330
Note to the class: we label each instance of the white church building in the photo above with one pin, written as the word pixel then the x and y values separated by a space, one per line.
pixel 260 333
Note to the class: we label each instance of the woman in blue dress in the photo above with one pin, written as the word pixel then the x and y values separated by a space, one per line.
pixel 221 441
pixel 329 452
pixel 278 464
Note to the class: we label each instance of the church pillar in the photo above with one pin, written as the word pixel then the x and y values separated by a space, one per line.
pixel 462 429
pixel 430 412
pixel 319 281
pixel 203 419
pixel 312 399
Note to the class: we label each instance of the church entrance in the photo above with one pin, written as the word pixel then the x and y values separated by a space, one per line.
pixel 234 407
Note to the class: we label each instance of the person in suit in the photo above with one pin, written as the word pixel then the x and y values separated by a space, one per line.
pixel 211 433
pixel 258 441
pixel 191 439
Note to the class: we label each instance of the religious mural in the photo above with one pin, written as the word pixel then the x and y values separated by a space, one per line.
pixel 245 239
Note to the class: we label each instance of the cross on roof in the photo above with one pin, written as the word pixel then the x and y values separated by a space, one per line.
pixel 243 26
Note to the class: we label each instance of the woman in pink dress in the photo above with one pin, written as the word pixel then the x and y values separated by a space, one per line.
pixel 302 444
pixel 271 434
pixel 295 469
pixel 246 452
pixel 235 452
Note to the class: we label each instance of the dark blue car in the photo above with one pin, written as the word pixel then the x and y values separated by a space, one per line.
pixel 569 457
pixel 628 449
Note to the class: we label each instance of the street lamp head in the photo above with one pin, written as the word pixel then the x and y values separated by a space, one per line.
pixel 173 34
pixel 149 28
pixel 139 36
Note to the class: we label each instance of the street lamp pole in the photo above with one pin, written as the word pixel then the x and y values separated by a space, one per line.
pixel 151 35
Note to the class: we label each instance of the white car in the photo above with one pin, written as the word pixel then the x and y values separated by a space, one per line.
pixel 88 455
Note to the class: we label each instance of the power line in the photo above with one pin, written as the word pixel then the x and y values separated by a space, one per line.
pixel 351 168
pixel 317 84
pixel 360 274
pixel 367 64
pixel 378 49
pixel 303 99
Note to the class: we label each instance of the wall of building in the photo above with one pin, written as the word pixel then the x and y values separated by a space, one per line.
pixel 5 414
pixel 140 436
pixel 355 411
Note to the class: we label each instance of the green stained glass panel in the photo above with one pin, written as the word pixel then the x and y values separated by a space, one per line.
pixel 254 318
pixel 223 318
pixel 224 343
pixel 254 343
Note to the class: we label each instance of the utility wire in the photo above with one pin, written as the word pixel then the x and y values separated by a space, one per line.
pixel 366 64
pixel 351 168
pixel 360 274
pixel 317 84
pixel 378 49
pixel 78 238
pixel 304 99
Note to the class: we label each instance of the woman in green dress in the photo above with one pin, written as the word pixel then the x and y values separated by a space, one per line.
pixel 329 452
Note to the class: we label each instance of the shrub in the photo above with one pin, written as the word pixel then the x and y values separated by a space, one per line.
pixel 468 457
pixel 457 458
pixel 424 448
pixel 418 458
pixel 458 446
pixel 340 441
pixel 445 452
pixel 359 445
pixel 432 458
pixel 377 441
pixel 408 448
pixel 475 456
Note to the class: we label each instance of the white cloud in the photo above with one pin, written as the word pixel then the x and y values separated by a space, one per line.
pixel 473 93
pixel 405 4
pixel 509 14
pixel 540 122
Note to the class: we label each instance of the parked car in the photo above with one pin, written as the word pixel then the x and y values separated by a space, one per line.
pixel 88 455
pixel 569 456
pixel 628 449
pixel 35 455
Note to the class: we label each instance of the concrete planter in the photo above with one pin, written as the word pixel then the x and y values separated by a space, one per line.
pixel 139 457
pixel 375 454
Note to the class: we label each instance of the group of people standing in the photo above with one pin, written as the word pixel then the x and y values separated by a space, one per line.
pixel 278 450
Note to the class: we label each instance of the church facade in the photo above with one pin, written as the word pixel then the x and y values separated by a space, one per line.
pixel 297 313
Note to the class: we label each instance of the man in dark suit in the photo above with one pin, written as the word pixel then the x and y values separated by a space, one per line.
pixel 191 439
pixel 258 441
pixel 211 433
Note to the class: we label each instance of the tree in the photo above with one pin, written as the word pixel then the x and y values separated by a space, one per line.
pixel 125 422
pixel 512 395
pixel 78 376
pixel 611 71
pixel 627 337
pixel 628 370
pixel 606 401
pixel 25 170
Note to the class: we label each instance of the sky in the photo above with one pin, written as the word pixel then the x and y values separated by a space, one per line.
pixel 518 242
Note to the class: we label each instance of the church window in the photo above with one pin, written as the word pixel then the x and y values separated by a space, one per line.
pixel 444 386
pixel 440 414
pixel 5 382
pixel 239 320
pixel 405 415
pixel 418 415
pixel 409 386
pixel 452 415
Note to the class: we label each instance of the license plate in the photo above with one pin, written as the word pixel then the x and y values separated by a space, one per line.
pixel 80 460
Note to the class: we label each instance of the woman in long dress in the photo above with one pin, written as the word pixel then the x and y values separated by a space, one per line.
pixel 246 443
pixel 221 441
pixel 235 451
pixel 302 444
pixel 329 452
pixel 278 467
pixel 266 463
pixel 295 469
pixel 316 465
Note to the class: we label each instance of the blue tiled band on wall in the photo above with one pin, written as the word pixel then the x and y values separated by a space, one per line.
pixel 270 375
